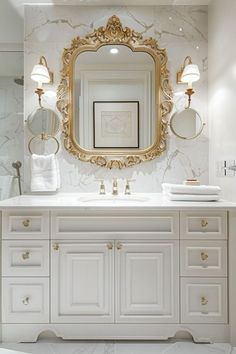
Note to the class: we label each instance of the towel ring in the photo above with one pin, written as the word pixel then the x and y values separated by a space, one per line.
pixel 43 136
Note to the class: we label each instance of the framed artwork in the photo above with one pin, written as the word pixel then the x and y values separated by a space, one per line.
pixel 116 124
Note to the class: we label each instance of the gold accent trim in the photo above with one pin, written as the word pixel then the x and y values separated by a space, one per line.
pixel 204 223
pixel 25 255
pixel 26 222
pixel 110 245
pixel 55 246
pixel 25 301
pixel 187 61
pixel 204 301
pixel 115 34
pixel 43 136
pixel 204 256
pixel 119 245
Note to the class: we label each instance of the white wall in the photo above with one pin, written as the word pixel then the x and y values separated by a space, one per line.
pixel 222 91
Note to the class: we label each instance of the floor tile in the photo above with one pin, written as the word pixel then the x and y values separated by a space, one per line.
pixel 110 347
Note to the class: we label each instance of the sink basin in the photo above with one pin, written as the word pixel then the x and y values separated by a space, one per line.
pixel 114 199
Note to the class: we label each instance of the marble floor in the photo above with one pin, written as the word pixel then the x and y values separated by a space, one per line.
pixel 117 348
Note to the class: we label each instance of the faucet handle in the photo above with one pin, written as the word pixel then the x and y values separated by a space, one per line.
pixel 114 186
pixel 102 190
pixel 127 185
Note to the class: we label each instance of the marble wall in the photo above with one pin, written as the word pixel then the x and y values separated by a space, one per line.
pixel 11 134
pixel 182 30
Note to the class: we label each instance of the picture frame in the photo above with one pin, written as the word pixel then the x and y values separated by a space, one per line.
pixel 116 124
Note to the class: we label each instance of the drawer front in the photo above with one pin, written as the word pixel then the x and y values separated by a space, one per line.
pixel 25 225
pixel 203 258
pixel 203 300
pixel 203 225
pixel 25 300
pixel 165 224
pixel 25 258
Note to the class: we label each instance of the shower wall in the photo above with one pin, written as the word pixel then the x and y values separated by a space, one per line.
pixel 11 120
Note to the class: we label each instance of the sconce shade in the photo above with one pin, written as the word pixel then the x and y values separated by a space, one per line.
pixel 190 74
pixel 40 74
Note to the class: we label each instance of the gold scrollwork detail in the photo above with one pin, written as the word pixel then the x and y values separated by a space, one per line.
pixel 115 33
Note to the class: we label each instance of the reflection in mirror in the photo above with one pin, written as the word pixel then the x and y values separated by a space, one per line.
pixel 186 124
pixel 43 121
pixel 122 83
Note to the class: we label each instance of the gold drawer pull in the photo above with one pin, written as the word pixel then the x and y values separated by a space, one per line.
pixel 26 222
pixel 25 255
pixel 204 256
pixel 204 223
pixel 55 246
pixel 110 245
pixel 204 301
pixel 119 245
pixel 25 301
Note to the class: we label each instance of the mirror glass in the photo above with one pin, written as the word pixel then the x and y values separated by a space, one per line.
pixel 43 120
pixel 114 99
pixel 186 124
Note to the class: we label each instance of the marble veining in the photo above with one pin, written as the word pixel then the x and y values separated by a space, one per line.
pixel 182 30
pixel 11 130
pixel 120 348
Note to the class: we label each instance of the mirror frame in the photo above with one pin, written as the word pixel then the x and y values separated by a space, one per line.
pixel 185 137
pixel 115 34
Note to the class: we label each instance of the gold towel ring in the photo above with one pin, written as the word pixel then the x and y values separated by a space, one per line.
pixel 43 136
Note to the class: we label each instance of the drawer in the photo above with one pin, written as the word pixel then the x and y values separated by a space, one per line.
pixel 25 258
pixel 204 300
pixel 25 300
pixel 25 224
pixel 165 224
pixel 203 225
pixel 203 258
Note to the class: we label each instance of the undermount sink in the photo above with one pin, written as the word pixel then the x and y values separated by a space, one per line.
pixel 114 199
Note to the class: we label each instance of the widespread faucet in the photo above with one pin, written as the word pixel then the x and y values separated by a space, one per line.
pixel 114 187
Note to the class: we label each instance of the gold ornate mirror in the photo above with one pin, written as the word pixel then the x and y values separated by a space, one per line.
pixel 115 97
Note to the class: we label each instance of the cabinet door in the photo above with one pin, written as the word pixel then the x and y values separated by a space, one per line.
pixel 147 282
pixel 82 282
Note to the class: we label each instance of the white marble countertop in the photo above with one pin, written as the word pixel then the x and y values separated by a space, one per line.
pixel 94 201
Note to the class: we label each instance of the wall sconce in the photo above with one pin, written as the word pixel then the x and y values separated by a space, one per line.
pixel 188 73
pixel 42 75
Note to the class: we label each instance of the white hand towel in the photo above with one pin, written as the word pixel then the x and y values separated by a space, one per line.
pixel 183 189
pixel 45 175
pixel 6 187
pixel 193 197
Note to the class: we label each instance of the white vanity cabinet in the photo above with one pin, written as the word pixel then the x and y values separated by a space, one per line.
pixel 116 273
pixel 82 282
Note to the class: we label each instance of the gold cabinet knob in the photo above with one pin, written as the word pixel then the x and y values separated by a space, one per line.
pixel 204 301
pixel 204 256
pixel 25 255
pixel 204 223
pixel 119 245
pixel 55 246
pixel 26 222
pixel 25 301
pixel 110 245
